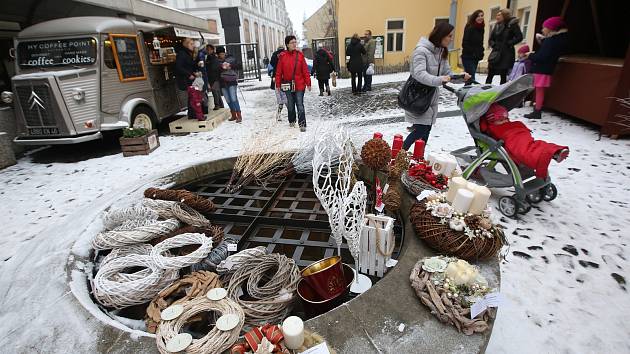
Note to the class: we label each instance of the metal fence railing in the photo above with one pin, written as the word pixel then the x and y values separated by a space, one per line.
pixel 249 57
pixel 330 44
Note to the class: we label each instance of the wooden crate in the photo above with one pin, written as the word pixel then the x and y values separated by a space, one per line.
pixel 213 120
pixel 142 145
pixel 372 261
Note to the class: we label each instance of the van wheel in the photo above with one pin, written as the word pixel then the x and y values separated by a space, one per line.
pixel 143 117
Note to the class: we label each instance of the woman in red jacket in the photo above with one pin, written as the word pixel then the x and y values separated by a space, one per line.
pixel 293 78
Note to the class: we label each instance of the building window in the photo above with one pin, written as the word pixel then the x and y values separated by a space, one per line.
pixel 524 15
pixel 440 20
pixel 395 35
pixel 248 37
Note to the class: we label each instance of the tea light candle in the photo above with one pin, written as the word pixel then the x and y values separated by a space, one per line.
pixel 454 185
pixel 462 201
pixel 480 201
pixel 418 150
pixel 293 330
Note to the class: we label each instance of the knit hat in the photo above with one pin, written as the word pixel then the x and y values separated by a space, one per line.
pixel 524 49
pixel 496 112
pixel 555 23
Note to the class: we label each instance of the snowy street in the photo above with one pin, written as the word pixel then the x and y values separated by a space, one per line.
pixel 566 269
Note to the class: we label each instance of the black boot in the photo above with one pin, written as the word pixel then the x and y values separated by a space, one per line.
pixel 536 114
pixel 321 92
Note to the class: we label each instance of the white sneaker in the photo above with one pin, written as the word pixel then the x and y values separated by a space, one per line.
pixel 292 125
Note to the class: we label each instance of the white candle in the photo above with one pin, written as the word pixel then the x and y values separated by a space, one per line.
pixel 480 201
pixel 454 184
pixel 440 164
pixel 462 201
pixel 451 164
pixel 471 186
pixel 431 158
pixel 293 330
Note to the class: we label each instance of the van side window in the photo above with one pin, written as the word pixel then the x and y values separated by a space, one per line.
pixel 108 54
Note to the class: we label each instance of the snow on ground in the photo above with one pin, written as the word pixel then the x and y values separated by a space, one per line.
pixel 564 276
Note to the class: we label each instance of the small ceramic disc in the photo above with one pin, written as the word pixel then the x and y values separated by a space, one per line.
pixel 227 322
pixel 216 294
pixel 172 312
pixel 179 342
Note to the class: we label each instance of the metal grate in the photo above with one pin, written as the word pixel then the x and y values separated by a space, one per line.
pixel 285 216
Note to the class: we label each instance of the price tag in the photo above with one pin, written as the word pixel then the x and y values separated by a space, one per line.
pixel 232 247
pixel 385 188
pixel 477 308
pixel 321 348
pixel 424 194
pixel 490 300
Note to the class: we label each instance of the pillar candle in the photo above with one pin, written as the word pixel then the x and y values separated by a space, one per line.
pixel 418 150
pixel 462 201
pixel 471 186
pixel 451 165
pixel 397 145
pixel 480 201
pixel 431 158
pixel 439 165
pixel 454 184
pixel 378 135
pixel 293 331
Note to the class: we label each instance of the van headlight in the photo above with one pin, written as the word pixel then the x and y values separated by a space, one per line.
pixel 6 96
pixel 78 94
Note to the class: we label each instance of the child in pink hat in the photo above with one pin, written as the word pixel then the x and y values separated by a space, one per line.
pixel 523 65
pixel 544 60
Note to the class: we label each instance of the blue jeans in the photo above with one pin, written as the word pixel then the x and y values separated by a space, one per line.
pixel 296 99
pixel 231 98
pixel 470 66
pixel 420 131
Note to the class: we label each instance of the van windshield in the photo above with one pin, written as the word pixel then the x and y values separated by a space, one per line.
pixel 58 52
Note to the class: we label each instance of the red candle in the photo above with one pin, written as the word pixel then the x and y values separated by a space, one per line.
pixel 378 135
pixel 396 145
pixel 418 150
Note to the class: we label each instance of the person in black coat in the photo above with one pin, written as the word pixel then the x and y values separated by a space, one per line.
pixel 323 66
pixel 355 51
pixel 503 37
pixel 472 44
pixel 554 45
pixel 185 67
pixel 213 71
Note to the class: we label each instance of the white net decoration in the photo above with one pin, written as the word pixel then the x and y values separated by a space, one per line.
pixel 333 188
pixel 354 208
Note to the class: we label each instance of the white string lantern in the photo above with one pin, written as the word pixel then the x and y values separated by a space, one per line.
pixel 166 262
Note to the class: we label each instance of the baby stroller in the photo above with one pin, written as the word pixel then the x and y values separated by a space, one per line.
pixel 489 154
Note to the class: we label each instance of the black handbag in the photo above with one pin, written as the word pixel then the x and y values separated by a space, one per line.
pixel 416 97
pixel 494 57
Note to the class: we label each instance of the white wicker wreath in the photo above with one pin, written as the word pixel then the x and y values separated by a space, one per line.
pixel 178 262
pixel 174 210
pixel 113 289
pixel 111 239
pixel 115 218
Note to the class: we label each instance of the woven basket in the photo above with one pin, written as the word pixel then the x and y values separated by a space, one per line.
pixel 415 186
pixel 447 241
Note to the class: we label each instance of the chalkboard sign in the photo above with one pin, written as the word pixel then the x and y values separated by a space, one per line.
pixel 128 57
pixel 70 51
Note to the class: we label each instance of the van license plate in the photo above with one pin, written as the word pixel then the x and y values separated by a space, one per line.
pixel 43 131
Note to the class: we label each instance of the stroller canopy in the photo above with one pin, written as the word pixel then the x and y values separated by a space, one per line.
pixel 510 95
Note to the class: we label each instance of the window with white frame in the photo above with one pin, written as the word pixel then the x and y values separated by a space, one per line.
pixel 395 35
pixel 525 15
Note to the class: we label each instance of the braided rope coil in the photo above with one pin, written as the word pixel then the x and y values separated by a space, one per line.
pixel 112 289
pixel 215 341
pixel 272 301
pixel 166 262
pixel 141 234
pixel 191 199
pixel 115 218
pixel 232 263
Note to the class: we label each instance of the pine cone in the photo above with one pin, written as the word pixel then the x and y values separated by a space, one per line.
pixel 392 199
pixel 376 154
pixel 472 221
pixel 401 164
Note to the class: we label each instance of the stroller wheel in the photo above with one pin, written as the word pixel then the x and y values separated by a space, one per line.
pixel 550 192
pixel 535 198
pixel 508 206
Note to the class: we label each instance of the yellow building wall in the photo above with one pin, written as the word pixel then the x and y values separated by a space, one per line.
pixel 355 16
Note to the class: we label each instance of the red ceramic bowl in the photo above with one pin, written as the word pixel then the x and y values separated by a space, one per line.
pixel 312 303
pixel 325 277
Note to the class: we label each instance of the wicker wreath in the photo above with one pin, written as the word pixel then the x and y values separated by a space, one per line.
pixel 201 204
pixel 111 239
pixel 190 286
pixel 178 262
pixel 415 186
pixel 215 341
pixel 443 239
pixel 446 310
pixel 271 302
pixel 112 287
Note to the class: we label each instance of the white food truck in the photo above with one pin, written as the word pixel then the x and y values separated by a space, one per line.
pixel 78 77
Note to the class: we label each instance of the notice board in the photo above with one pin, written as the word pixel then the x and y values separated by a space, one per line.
pixel 128 57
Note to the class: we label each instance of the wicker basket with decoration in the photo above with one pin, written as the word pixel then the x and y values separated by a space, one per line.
pixel 470 237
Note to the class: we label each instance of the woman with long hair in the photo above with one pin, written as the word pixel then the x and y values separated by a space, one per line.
pixel 355 51
pixel 429 66
pixel 503 37
pixel 472 44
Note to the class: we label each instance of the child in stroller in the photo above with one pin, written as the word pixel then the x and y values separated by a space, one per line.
pixel 518 141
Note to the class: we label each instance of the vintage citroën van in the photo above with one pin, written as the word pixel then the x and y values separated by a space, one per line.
pixel 78 77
